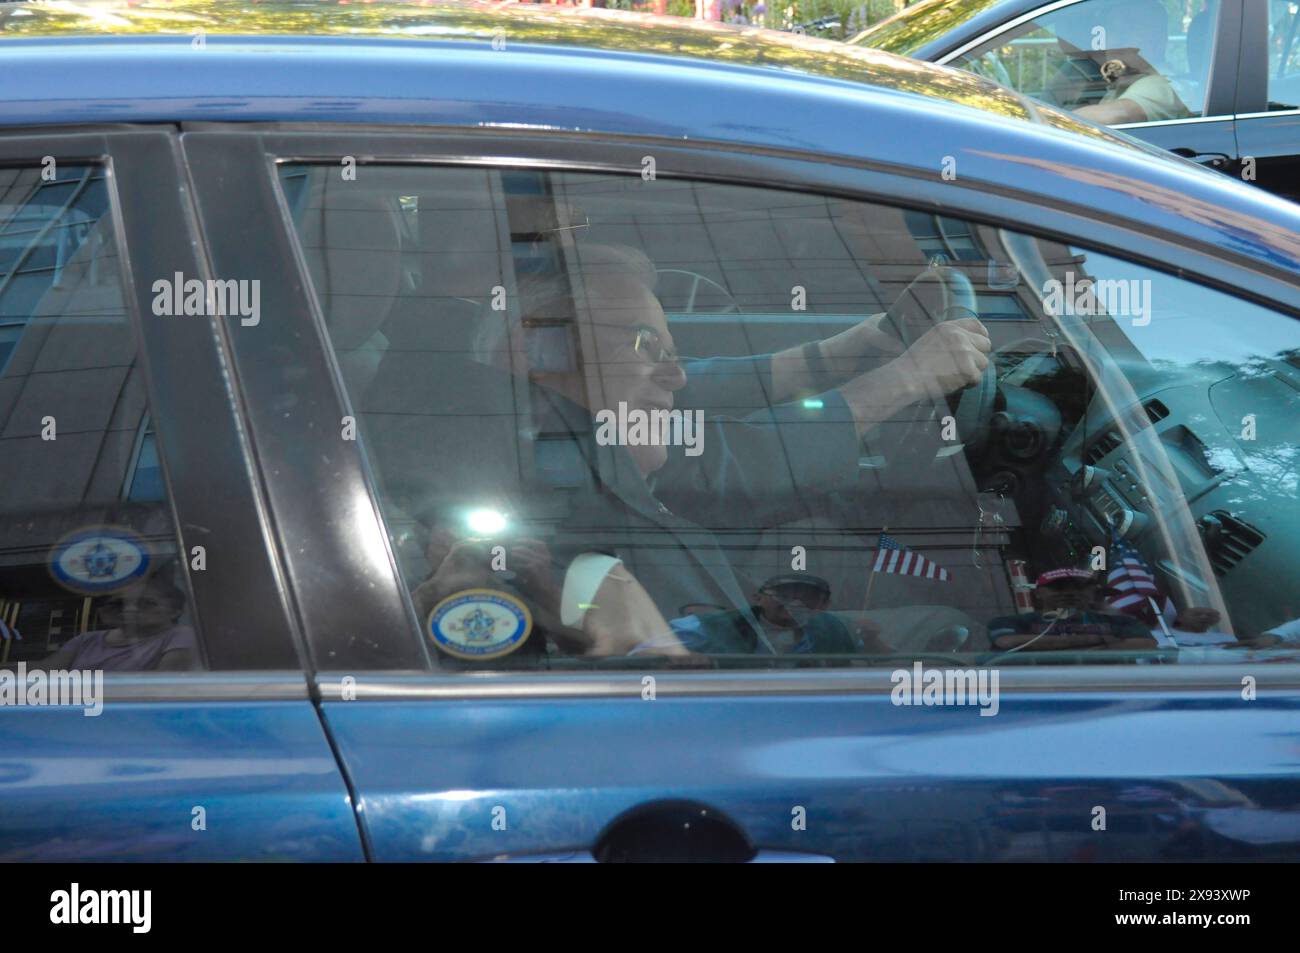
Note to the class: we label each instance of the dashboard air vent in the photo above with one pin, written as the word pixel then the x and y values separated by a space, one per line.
pixel 1235 540
pixel 1108 442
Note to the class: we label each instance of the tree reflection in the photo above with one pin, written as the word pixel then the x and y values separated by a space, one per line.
pixel 919 25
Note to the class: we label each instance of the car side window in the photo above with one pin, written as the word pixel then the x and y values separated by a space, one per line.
pixel 1283 54
pixel 1111 61
pixel 90 572
pixel 623 421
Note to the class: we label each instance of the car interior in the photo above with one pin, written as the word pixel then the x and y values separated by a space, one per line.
pixel 1084 436
pixel 1058 57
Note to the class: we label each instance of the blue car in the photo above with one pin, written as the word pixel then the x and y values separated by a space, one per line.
pixel 463 432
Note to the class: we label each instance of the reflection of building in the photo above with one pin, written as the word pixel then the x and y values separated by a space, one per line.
pixel 75 446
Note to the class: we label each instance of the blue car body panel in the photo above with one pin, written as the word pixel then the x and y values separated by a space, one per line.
pixel 1185 774
pixel 1177 775
pixel 125 784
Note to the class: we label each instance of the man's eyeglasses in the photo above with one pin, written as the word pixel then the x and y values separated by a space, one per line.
pixel 646 342
pixel 651 347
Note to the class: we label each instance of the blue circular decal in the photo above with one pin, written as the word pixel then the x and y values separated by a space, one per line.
pixel 479 624
pixel 98 560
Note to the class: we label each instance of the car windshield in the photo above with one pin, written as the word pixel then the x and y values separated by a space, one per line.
pixel 913 28
pixel 1166 342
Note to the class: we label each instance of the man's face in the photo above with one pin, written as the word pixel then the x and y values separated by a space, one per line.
pixel 623 312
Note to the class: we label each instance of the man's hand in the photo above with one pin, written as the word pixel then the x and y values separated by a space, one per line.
pixel 948 357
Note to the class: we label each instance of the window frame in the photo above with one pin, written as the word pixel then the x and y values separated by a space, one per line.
pixel 186 379
pixel 1253 69
pixel 309 497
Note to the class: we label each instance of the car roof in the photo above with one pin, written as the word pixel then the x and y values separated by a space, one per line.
pixel 373 30
pixel 596 71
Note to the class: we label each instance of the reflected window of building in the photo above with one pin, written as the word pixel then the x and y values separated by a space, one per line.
pixel 90 568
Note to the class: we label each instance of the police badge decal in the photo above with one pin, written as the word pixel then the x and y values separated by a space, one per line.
pixel 98 559
pixel 479 624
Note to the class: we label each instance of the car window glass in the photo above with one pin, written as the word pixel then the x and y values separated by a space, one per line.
pixel 1112 61
pixel 625 421
pixel 1283 54
pixel 90 576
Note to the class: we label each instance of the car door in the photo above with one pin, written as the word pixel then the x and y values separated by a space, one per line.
pixel 1268 97
pixel 1199 58
pixel 152 705
pixel 391 438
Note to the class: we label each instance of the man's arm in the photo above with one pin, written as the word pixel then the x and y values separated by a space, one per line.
pixel 1114 112
pixel 740 385
pixel 1146 99
pixel 841 357
pixel 623 617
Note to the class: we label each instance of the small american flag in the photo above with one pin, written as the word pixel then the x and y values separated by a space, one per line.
pixel 893 556
pixel 7 632
pixel 1131 586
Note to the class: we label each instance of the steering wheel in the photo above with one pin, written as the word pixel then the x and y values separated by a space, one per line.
pixel 687 292
pixel 912 315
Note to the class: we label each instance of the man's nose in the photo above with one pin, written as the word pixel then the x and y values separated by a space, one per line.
pixel 670 374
